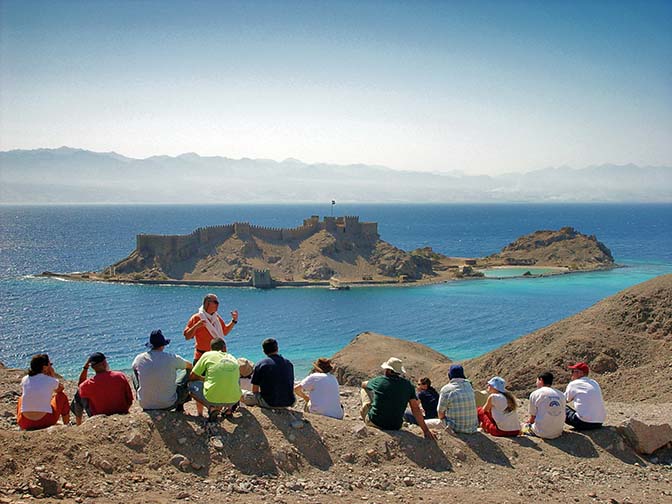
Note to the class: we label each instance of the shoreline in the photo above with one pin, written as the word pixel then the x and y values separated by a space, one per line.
pixel 559 270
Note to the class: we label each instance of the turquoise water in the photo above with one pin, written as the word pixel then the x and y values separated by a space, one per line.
pixel 516 272
pixel 461 319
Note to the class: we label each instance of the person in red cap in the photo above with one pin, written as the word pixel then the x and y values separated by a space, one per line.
pixel 588 410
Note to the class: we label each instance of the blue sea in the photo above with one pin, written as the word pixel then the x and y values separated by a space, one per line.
pixel 462 319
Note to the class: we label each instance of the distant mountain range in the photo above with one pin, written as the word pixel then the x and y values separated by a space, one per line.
pixel 69 175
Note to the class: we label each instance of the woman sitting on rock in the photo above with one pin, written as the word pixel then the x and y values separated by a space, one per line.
pixel 320 390
pixel 42 400
pixel 498 416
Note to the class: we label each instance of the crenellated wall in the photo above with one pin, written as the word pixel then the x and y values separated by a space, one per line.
pixel 183 246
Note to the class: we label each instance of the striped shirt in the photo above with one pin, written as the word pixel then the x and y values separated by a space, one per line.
pixel 458 403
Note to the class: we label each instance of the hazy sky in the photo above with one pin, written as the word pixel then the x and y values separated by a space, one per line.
pixel 477 86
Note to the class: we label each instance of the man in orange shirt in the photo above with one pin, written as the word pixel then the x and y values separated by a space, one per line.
pixel 206 325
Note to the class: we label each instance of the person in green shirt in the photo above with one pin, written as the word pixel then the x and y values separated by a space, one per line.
pixel 214 380
pixel 384 399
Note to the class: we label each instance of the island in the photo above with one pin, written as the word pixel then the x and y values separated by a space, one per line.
pixel 338 252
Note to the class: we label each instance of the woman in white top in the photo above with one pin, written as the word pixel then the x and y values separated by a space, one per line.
pixel 498 416
pixel 320 390
pixel 42 400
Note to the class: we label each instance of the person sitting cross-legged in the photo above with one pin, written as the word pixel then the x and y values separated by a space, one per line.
pixel 214 380
pixel 457 404
pixel 320 390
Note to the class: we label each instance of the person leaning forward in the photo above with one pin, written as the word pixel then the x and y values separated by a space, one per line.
pixel 384 399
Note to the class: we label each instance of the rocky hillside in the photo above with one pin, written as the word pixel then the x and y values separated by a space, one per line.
pixel 565 247
pixel 626 339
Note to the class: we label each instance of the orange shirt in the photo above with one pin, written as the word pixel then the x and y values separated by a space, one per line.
pixel 203 336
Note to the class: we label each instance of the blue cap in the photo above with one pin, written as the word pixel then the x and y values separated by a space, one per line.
pixel 456 371
pixel 497 383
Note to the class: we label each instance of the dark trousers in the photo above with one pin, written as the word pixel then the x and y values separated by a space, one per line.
pixel 78 406
pixel 571 418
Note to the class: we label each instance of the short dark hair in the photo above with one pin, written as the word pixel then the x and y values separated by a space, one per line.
pixel 547 378
pixel 37 363
pixel 218 344
pixel 269 346
pixel 425 381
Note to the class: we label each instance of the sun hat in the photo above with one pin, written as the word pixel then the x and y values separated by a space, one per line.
pixel 96 358
pixel 581 366
pixel 156 339
pixel 323 365
pixel 246 367
pixel 456 371
pixel 393 364
pixel 497 383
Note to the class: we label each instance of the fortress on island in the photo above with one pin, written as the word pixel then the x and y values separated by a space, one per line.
pixel 335 251
pixel 183 246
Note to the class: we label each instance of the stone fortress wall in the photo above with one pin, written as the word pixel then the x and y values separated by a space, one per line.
pixel 183 246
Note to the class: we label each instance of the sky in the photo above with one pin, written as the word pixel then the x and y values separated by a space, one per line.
pixel 480 87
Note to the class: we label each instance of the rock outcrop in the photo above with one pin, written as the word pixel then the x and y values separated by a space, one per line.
pixel 565 247
pixel 362 357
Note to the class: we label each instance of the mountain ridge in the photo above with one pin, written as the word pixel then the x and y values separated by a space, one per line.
pixel 83 176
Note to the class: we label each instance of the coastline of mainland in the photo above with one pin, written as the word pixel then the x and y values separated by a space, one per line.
pixel 339 252
pixel 292 456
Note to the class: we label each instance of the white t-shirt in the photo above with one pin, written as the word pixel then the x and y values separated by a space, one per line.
pixel 548 407
pixel 587 397
pixel 323 392
pixel 157 371
pixel 37 392
pixel 505 421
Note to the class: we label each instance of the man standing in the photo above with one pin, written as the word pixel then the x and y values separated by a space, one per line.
pixel 547 409
pixel 586 395
pixel 106 393
pixel 272 380
pixel 457 402
pixel 204 326
pixel 214 380
pixel 157 380
pixel 385 397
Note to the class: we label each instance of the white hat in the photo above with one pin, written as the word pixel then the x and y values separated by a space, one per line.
pixel 393 364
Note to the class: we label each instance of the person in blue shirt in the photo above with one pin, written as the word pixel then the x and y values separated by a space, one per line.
pixel 429 400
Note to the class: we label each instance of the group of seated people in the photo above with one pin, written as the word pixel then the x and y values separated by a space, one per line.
pixel 218 382
pixel 389 399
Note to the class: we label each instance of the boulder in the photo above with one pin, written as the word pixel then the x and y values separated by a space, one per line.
pixel 645 438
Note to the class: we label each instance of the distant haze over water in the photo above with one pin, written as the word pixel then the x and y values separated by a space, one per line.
pixel 68 175
pixel 462 319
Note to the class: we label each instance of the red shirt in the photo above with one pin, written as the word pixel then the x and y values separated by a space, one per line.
pixel 107 393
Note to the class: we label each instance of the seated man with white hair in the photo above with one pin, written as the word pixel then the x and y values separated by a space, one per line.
pixel 384 399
